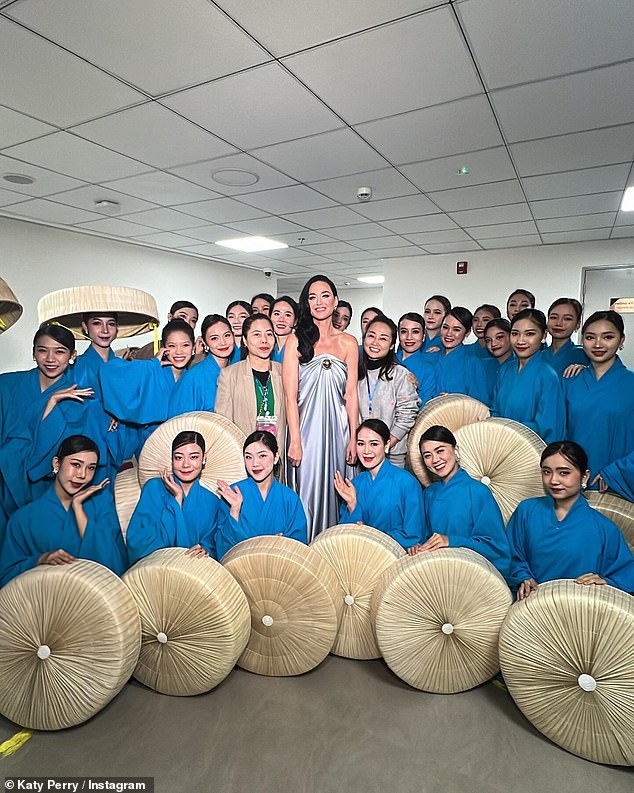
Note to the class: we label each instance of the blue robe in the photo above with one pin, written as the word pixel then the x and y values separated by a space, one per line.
pixel 138 393
pixel 44 526
pixel 460 372
pixel 429 343
pixel 159 522
pixel 278 355
pixel 491 366
pixel 570 353
pixel 533 396
pixel 87 367
pixel 197 391
pixel 281 513
pixel 466 511
pixel 422 366
pixel 601 414
pixel 391 502
pixel 585 541
pixel 619 476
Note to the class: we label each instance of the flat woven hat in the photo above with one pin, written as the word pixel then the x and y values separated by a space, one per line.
pixel 10 308
pixel 437 617
pixel 358 555
pixel 69 640
pixel 195 621
pixel 617 509
pixel 136 310
pixel 567 655
pixel 127 492
pixel 295 604
pixel 504 455
pixel 223 442
pixel 452 411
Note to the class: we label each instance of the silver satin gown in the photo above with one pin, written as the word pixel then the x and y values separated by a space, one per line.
pixel 325 434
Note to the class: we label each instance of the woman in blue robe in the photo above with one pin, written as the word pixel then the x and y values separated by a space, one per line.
pixel 434 312
pixel 72 520
pixel 497 337
pixel 175 510
pixel 528 390
pixel 411 336
pixel 561 536
pixel 101 329
pixel 600 400
pixel 459 511
pixel 564 318
pixel 382 496
pixel 283 316
pixel 457 370
pixel 259 505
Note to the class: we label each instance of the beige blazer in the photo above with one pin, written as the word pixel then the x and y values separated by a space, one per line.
pixel 236 400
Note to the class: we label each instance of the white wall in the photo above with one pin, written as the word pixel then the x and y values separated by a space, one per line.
pixel 548 271
pixel 36 260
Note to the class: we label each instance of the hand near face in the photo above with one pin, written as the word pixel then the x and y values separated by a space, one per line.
pixel 232 496
pixel 86 493
pixel 172 486
pixel 346 490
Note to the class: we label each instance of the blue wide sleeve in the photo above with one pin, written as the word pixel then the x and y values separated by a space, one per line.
pixel 19 552
pixel 137 393
pixel 617 562
pixel 516 532
pixel 154 523
pixel 103 541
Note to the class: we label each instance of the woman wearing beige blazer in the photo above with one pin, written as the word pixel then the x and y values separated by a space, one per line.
pixel 250 393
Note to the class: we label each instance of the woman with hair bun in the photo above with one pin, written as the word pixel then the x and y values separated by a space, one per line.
pixel 434 312
pixel 74 519
pixel 175 510
pixel 283 317
pixel 457 370
pixel 564 318
pixel 560 535
pixel 411 336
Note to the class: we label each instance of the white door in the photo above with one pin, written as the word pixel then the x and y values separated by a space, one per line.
pixel 601 286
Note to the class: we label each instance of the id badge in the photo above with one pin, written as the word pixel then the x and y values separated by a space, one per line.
pixel 266 424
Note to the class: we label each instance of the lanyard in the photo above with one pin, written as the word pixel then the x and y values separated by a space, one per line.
pixel 263 393
pixel 370 393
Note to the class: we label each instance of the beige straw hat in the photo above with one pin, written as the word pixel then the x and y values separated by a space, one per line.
pixel 195 621
pixel 127 492
pixel 10 309
pixel 136 310
pixel 504 455
pixel 358 555
pixel 617 509
pixel 437 617
pixel 294 600
pixel 567 655
pixel 223 441
pixel 452 411
pixel 69 640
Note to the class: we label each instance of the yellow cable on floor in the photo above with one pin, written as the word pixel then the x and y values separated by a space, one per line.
pixel 12 745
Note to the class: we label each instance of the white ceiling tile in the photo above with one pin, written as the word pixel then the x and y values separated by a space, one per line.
pixel 576 236
pixel 488 165
pixel 361 231
pixel 423 223
pixel 154 135
pixel 287 199
pixel 76 157
pixel 510 242
pixel 161 188
pixel 451 247
pixel 308 236
pixel 282 30
pixel 432 237
pixel 46 181
pixel 49 211
pixel 118 227
pixel 581 182
pixel 508 192
pixel 203 172
pixel 544 38
pixel 577 205
pixel 221 210
pixel 323 218
pixel 355 256
pixel 314 261
pixel 267 227
pixel 210 233
pixel 165 219
pixel 11 197
pixel 157 45
pixel 523 228
pixel 400 251
pixel 465 125
pixel 376 243
pixel 331 248
pixel 508 213
pixel 376 83
pixel 85 197
pixel 17 128
pixel 599 98
pixel 597 221
pixel 581 150
pixel 385 183
pixel 624 218
pixel 623 231
pixel 284 108
pixel 393 208
pixel 167 239
pixel 57 87
pixel 322 156
pixel 207 250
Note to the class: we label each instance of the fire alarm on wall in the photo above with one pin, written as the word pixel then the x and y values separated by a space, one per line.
pixel 461 268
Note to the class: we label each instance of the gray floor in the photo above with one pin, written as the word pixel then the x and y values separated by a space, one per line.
pixel 346 727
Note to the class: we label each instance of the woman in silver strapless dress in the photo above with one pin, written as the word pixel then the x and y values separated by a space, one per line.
pixel 320 385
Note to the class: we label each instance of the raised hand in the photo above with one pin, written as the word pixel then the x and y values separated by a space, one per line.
pixel 77 394
pixel 346 490
pixel 232 496
pixel 172 486
pixel 85 493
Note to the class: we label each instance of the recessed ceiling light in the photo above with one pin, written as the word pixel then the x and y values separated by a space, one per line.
pixel 252 244
pixel 235 177
pixel 18 178
pixel 464 171
pixel 371 279
pixel 627 205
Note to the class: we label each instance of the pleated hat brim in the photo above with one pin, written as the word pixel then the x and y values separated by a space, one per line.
pixel 127 492
pixel 617 509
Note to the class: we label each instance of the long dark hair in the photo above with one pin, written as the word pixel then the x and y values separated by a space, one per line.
pixel 306 330
pixel 390 360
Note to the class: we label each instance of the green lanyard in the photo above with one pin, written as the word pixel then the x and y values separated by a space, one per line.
pixel 264 397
